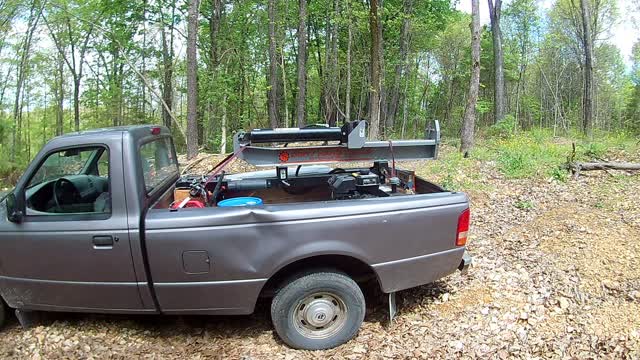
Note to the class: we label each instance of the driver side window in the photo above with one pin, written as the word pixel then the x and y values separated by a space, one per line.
pixel 71 181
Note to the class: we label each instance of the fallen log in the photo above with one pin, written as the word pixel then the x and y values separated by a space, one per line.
pixel 577 167
pixel 591 166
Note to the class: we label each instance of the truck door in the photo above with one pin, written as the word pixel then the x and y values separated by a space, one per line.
pixel 71 249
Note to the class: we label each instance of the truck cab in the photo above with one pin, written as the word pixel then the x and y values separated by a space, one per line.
pixel 77 220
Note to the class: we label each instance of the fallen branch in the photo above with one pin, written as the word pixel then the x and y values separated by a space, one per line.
pixel 590 166
pixel 577 167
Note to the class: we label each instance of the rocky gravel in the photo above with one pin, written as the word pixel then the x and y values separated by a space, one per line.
pixel 555 275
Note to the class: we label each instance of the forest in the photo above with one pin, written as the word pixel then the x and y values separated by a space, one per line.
pixel 209 68
pixel 539 106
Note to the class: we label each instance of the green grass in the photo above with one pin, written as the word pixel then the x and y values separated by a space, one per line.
pixel 524 205
pixel 452 171
pixel 537 153
pixel 534 154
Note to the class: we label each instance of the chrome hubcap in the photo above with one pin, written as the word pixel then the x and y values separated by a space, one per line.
pixel 320 315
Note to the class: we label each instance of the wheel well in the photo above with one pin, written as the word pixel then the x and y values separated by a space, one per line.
pixel 354 268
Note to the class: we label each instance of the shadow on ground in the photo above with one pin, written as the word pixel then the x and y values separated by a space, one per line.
pixel 227 327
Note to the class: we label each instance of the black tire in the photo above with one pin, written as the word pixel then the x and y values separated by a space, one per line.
pixel 3 313
pixel 318 311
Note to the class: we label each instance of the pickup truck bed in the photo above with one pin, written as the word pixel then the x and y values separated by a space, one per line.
pixel 236 251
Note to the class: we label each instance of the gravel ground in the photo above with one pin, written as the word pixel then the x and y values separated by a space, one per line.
pixel 555 275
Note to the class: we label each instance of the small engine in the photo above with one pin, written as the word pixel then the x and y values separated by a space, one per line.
pixel 354 185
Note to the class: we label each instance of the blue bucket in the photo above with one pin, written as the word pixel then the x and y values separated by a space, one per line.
pixel 240 201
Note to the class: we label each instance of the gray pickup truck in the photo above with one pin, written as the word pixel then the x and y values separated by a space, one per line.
pixel 103 222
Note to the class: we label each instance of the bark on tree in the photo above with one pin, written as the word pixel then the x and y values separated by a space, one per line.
pixel 376 69
pixel 468 124
pixel 587 42
pixel 302 64
pixel 401 67
pixel 499 99
pixel 192 79
pixel 274 91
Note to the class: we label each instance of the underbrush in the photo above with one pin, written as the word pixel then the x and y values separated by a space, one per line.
pixel 531 154
pixel 537 153
pixel 9 173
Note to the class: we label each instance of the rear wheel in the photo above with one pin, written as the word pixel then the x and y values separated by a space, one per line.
pixel 3 313
pixel 318 311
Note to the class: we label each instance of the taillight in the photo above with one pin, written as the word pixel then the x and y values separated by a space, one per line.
pixel 463 228
pixel 156 131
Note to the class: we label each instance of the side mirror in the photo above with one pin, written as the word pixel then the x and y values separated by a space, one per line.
pixel 14 214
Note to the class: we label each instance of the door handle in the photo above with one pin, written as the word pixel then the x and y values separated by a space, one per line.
pixel 103 241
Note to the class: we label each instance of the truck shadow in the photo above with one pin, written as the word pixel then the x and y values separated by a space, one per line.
pixel 407 301
pixel 191 328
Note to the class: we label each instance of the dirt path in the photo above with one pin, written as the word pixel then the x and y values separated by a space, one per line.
pixel 555 275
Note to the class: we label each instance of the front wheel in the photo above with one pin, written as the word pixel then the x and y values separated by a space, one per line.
pixel 318 311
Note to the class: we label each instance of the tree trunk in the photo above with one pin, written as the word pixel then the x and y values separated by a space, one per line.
pixel 587 41
pixel 521 73
pixel 214 30
pixel 192 80
pixel 331 77
pixel 25 53
pixel 167 87
pixel 144 60
pixel 498 64
pixel 74 61
pixel 349 45
pixel 468 124
pixel 223 126
pixel 374 99
pixel 76 103
pixel 335 70
pixel 383 93
pixel 285 106
pixel 59 93
pixel 273 93
pixel 214 61
pixel 167 68
pixel 321 71
pixel 401 67
pixel 302 64
pixel 44 118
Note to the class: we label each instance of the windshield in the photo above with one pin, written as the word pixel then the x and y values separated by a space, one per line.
pixel 158 162
pixel 63 163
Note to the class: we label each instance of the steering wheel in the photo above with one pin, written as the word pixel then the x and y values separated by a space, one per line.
pixel 58 185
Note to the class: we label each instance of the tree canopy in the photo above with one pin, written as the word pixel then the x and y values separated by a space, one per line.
pixel 68 65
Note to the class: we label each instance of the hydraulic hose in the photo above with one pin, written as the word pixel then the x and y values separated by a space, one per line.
pixel 216 190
